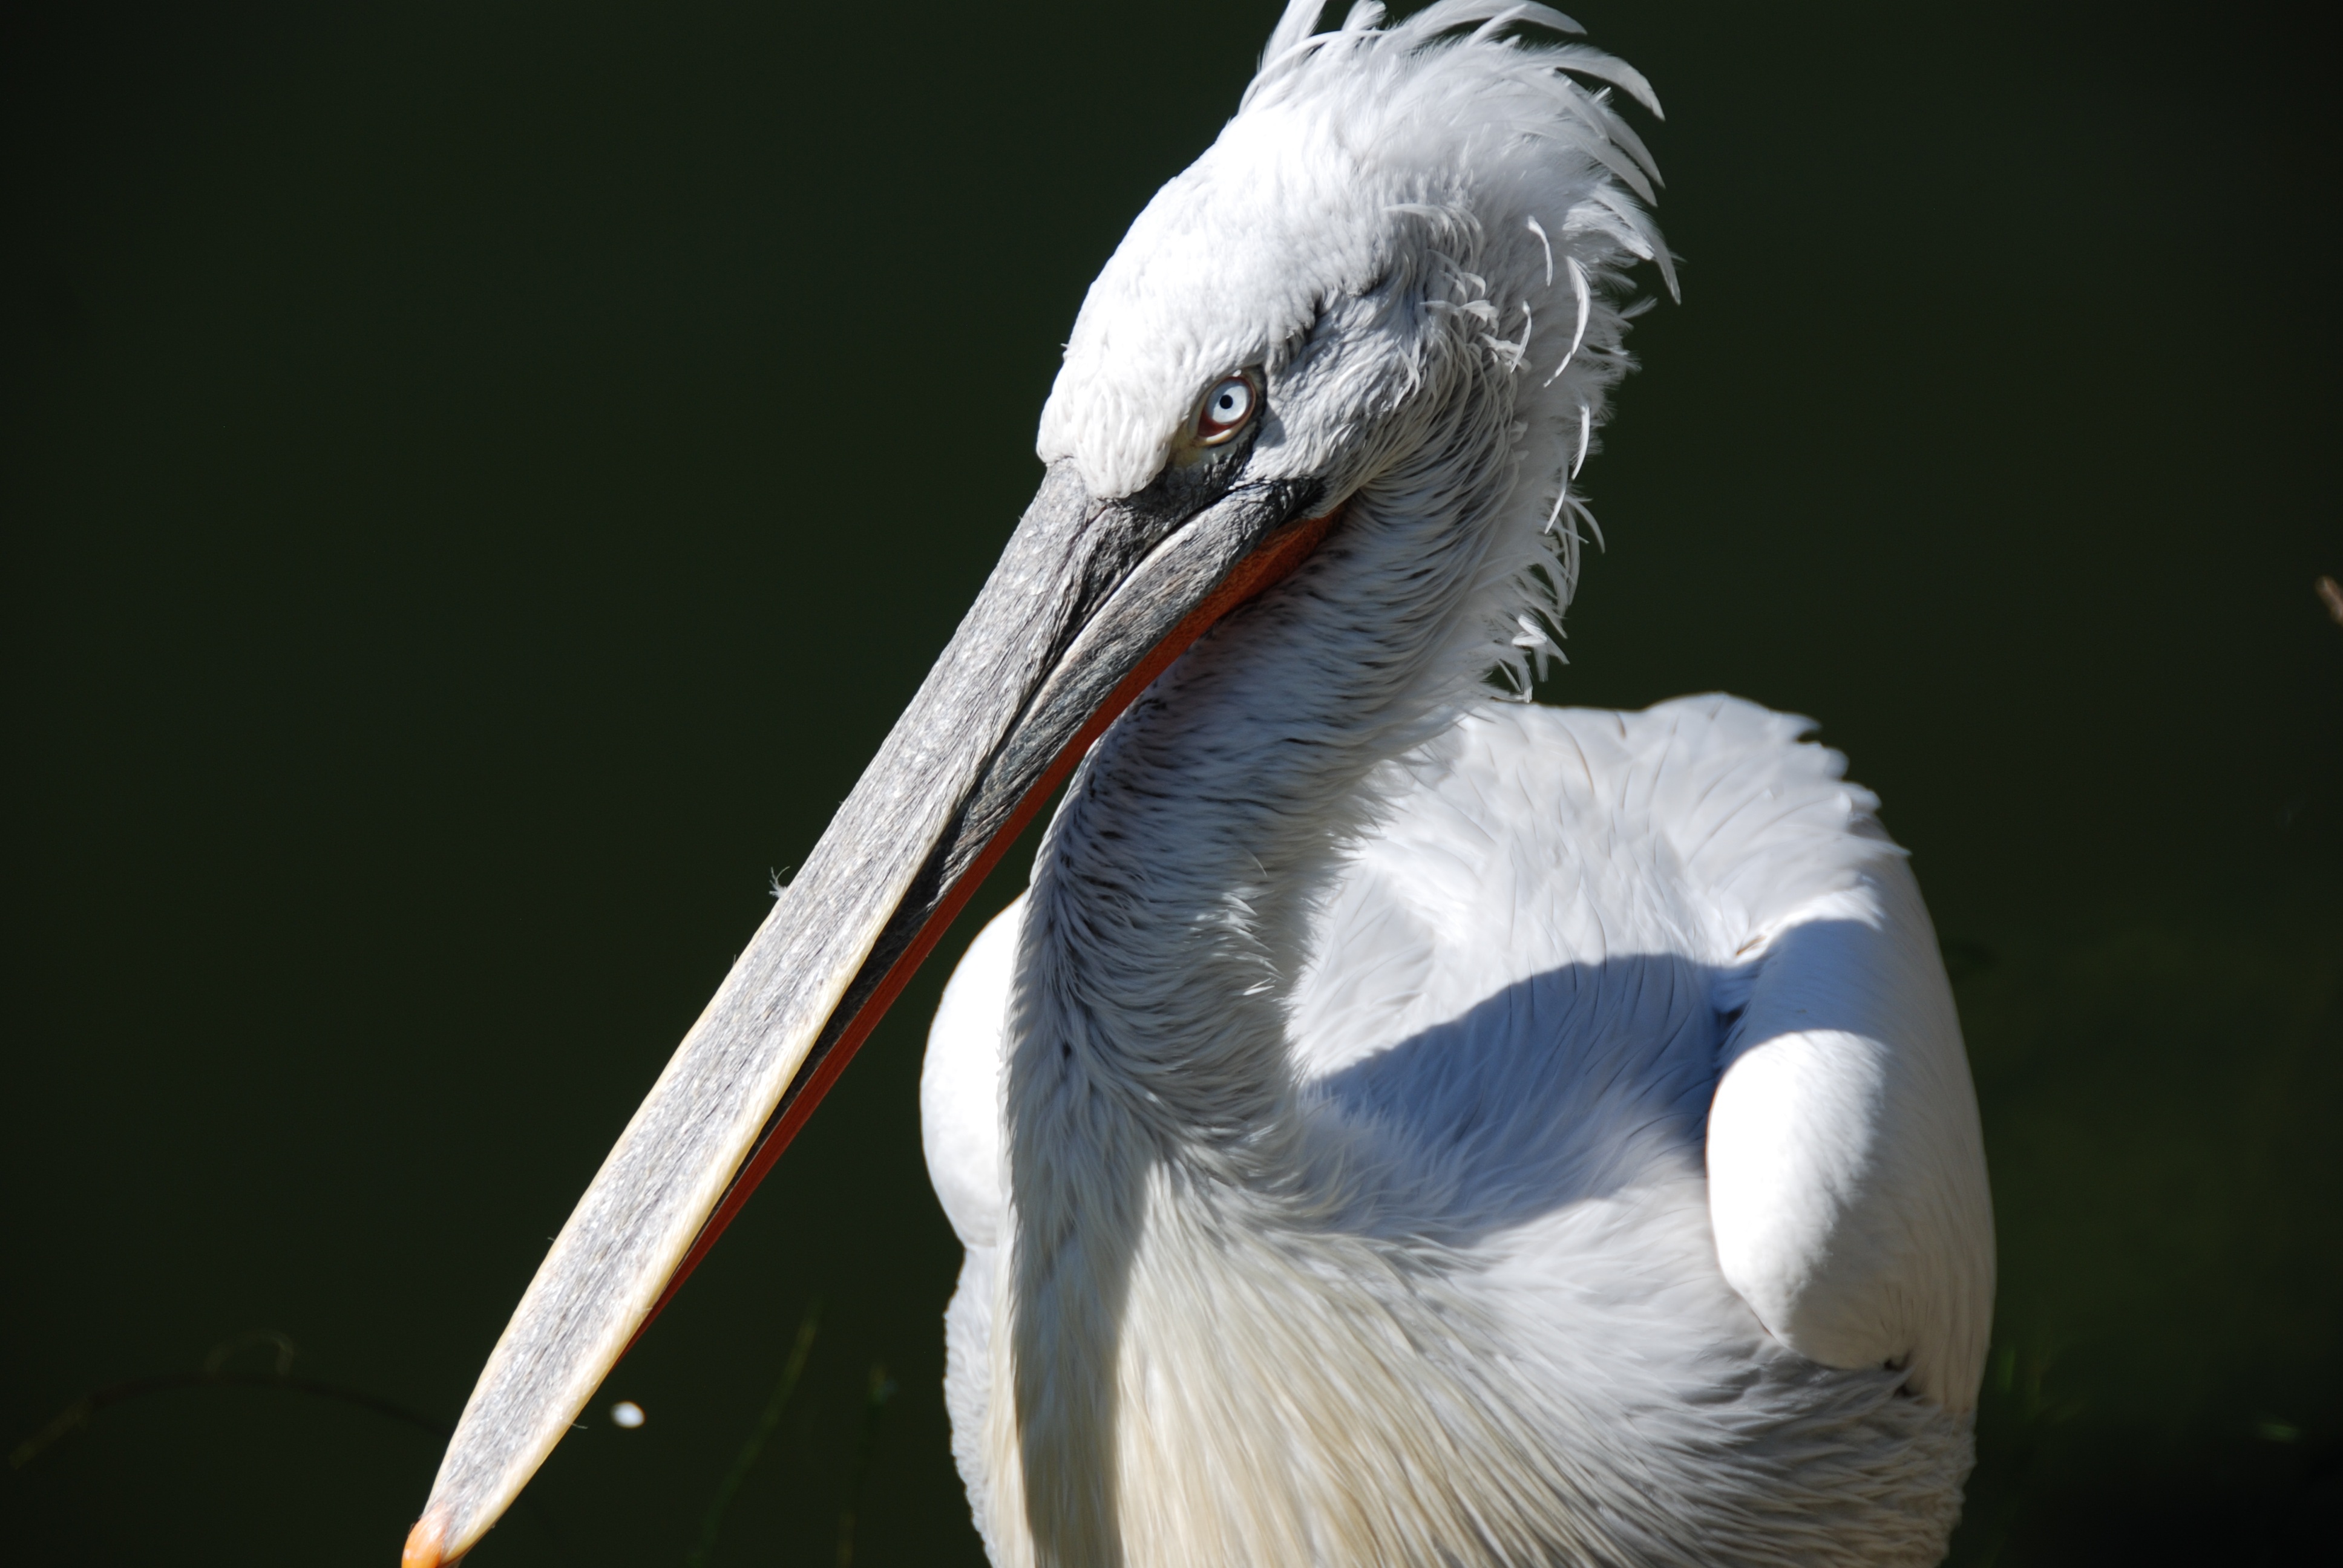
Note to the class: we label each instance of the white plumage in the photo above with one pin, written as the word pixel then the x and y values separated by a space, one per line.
pixel 1398 1125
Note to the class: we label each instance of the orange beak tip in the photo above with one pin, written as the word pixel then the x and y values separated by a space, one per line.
pixel 425 1540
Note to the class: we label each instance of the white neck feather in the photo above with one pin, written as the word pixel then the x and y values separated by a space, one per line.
pixel 1171 1214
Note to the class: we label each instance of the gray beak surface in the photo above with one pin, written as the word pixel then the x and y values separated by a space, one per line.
pixel 1090 600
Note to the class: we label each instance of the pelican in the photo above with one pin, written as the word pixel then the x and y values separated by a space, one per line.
pixel 1399 1123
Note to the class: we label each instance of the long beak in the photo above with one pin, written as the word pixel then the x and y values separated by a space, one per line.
pixel 1090 602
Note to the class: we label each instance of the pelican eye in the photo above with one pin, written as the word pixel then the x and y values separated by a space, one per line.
pixel 1227 406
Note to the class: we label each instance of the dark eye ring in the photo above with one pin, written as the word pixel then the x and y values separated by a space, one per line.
pixel 1227 406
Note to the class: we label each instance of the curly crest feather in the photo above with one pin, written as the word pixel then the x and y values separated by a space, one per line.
pixel 1421 233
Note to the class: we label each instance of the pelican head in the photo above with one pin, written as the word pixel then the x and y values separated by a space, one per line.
pixel 1358 351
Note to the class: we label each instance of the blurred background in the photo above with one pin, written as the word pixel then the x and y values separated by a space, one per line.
pixel 482 479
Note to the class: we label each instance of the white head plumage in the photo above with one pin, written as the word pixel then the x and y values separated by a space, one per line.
pixel 1420 236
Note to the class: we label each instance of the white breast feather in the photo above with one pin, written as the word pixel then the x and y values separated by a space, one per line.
pixel 1697 844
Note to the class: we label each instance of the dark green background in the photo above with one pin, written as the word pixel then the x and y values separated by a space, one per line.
pixel 480 481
